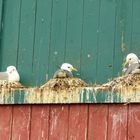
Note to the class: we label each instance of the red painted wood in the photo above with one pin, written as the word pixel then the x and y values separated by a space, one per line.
pixel 21 123
pixel 78 116
pixel 58 129
pixel 5 122
pixel 70 122
pixel 97 125
pixel 117 122
pixel 40 122
pixel 134 122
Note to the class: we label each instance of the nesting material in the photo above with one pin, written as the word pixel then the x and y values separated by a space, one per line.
pixel 64 84
pixel 130 82
pixel 62 90
pixel 8 84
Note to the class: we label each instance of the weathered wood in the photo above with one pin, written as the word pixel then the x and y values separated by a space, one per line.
pixel 21 123
pixel 40 122
pixel 117 122
pixel 87 122
pixel 78 122
pixel 5 122
pixel 133 122
pixel 98 120
pixel 58 128
pixel 78 95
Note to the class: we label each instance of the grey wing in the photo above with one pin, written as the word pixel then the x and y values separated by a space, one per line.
pixel 59 74
pixel 62 74
pixel 69 74
pixel 3 76
pixel 56 74
pixel 131 68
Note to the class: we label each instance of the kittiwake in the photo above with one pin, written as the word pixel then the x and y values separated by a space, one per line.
pixel 132 62
pixel 65 71
pixel 10 74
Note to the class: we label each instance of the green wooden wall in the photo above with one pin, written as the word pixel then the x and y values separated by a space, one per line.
pixel 94 35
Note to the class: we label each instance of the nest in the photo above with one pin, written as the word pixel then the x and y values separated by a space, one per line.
pixel 10 84
pixel 64 84
pixel 131 81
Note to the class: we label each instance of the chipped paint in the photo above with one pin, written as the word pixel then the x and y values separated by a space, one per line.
pixel 124 89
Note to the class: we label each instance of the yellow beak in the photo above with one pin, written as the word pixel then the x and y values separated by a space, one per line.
pixel 74 69
pixel 125 63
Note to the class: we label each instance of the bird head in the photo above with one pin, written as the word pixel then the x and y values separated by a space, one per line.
pixel 11 69
pixel 131 58
pixel 13 74
pixel 68 67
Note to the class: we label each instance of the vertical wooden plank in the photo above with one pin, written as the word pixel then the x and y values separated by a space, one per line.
pixel 1 13
pixel 123 33
pixel 98 119
pixel 106 41
pixel 21 123
pixel 42 40
pixel 1 7
pixel 26 40
pixel 117 122
pixel 5 122
pixel 126 16
pixel 10 32
pixel 118 40
pixel 78 117
pixel 135 28
pixel 58 122
pixel 134 122
pixel 39 122
pixel 58 35
pixel 89 40
pixel 74 32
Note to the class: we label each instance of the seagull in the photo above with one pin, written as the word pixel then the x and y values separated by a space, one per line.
pixel 65 71
pixel 133 63
pixel 11 74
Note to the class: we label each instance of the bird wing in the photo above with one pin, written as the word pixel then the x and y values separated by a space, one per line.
pixel 3 76
pixel 62 74
pixel 69 74
pixel 59 74
pixel 131 68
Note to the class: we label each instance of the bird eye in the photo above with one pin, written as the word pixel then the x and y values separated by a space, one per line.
pixel 69 67
pixel 129 58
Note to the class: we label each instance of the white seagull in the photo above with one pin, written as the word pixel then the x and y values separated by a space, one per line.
pixel 11 74
pixel 133 63
pixel 65 71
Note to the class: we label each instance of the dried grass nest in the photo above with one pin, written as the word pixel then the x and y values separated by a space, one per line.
pixel 131 81
pixel 64 84
pixel 10 84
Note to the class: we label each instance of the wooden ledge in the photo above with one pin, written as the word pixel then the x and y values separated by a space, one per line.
pixel 120 90
pixel 79 95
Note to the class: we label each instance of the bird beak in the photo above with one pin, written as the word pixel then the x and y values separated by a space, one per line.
pixel 74 69
pixel 125 63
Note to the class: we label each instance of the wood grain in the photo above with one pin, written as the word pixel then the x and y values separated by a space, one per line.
pixel 21 123
pixel 39 122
